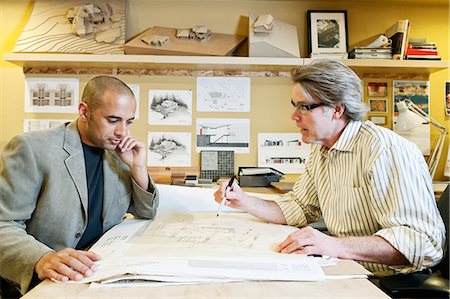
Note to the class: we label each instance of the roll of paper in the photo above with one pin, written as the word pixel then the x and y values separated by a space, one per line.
pixel 381 41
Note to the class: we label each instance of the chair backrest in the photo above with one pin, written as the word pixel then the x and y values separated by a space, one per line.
pixel 443 206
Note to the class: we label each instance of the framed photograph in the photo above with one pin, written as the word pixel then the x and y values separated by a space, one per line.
pixel 447 98
pixel 327 31
pixel 377 89
pixel 378 120
pixel 378 105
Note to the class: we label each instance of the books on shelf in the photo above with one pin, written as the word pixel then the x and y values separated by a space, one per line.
pixel 420 49
pixel 398 33
pixel 371 53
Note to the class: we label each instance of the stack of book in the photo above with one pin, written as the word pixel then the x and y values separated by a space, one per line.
pixel 371 53
pixel 398 33
pixel 420 49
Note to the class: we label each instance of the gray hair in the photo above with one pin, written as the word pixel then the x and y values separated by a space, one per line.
pixel 332 83
pixel 96 87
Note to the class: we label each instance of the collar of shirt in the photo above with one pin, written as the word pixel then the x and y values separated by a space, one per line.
pixel 347 140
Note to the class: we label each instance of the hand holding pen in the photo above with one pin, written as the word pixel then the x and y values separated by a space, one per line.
pixel 230 183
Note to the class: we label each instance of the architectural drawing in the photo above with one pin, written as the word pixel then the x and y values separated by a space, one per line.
pixel 169 149
pixel 232 134
pixel 227 94
pixel 42 124
pixel 284 152
pixel 418 93
pixel 170 107
pixel 51 95
pixel 135 88
pixel 207 234
pixel 74 26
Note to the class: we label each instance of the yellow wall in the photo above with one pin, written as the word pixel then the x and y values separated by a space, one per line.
pixel 270 108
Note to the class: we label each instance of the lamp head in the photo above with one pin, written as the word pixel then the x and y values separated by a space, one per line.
pixel 407 119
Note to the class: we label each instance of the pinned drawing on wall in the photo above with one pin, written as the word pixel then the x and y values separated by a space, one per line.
pixel 74 26
pixel 378 105
pixel 51 95
pixel 223 94
pixel 170 107
pixel 285 152
pixel 447 98
pixel 232 134
pixel 418 93
pixel 377 89
pixel 135 88
pixel 42 124
pixel 169 149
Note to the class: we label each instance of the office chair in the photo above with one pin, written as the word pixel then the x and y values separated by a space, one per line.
pixel 419 285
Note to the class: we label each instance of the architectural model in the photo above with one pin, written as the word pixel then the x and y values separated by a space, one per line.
pixel 263 24
pixel 198 32
pixel 75 26
pixel 155 40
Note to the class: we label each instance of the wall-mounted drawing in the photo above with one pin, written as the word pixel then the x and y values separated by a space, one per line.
pixel 170 107
pixel 42 124
pixel 74 26
pixel 223 94
pixel 135 88
pixel 169 149
pixel 51 95
pixel 284 152
pixel 231 134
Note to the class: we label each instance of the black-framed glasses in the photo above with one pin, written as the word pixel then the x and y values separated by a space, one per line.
pixel 304 107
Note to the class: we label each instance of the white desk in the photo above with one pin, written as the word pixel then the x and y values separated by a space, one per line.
pixel 178 201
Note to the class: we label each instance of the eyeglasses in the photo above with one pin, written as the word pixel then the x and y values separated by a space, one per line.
pixel 304 107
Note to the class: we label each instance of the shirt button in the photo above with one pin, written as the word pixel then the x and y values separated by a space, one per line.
pixel 77 235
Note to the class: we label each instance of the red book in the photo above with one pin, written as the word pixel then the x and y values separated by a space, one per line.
pixel 411 51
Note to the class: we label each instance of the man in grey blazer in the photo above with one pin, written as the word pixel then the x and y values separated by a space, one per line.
pixel 60 189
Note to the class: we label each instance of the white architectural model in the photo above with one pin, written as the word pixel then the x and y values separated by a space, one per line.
pixel 198 32
pixel 98 19
pixel 263 24
pixel 155 40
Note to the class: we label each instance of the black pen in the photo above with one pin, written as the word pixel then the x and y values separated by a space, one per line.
pixel 230 183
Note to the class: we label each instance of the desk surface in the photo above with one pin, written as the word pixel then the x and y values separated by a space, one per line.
pixel 349 288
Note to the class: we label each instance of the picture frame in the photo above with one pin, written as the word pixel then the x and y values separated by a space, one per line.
pixel 377 89
pixel 327 31
pixel 378 105
pixel 378 120
pixel 447 98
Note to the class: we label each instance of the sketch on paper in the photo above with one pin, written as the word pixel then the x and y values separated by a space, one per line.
pixel 223 94
pixel 203 233
pixel 170 107
pixel 135 88
pixel 418 93
pixel 51 95
pixel 232 134
pixel 74 26
pixel 42 124
pixel 169 149
pixel 285 152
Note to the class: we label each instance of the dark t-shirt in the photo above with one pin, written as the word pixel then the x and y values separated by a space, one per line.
pixel 93 157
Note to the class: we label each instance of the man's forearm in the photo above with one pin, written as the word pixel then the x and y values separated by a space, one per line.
pixel 370 249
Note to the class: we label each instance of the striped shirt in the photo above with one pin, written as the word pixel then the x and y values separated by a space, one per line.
pixel 371 182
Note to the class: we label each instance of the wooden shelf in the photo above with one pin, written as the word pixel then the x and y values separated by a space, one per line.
pixel 194 65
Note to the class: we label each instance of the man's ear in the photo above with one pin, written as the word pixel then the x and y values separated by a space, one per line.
pixel 338 111
pixel 83 111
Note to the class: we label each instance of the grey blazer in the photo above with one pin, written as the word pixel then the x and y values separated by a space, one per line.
pixel 43 198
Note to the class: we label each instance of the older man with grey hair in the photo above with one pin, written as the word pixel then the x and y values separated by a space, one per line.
pixel 371 186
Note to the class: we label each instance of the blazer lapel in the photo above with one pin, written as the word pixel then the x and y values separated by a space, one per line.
pixel 75 163
pixel 111 178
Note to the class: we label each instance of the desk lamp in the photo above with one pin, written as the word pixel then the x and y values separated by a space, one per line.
pixel 411 116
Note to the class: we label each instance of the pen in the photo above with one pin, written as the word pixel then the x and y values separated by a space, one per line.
pixel 230 183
